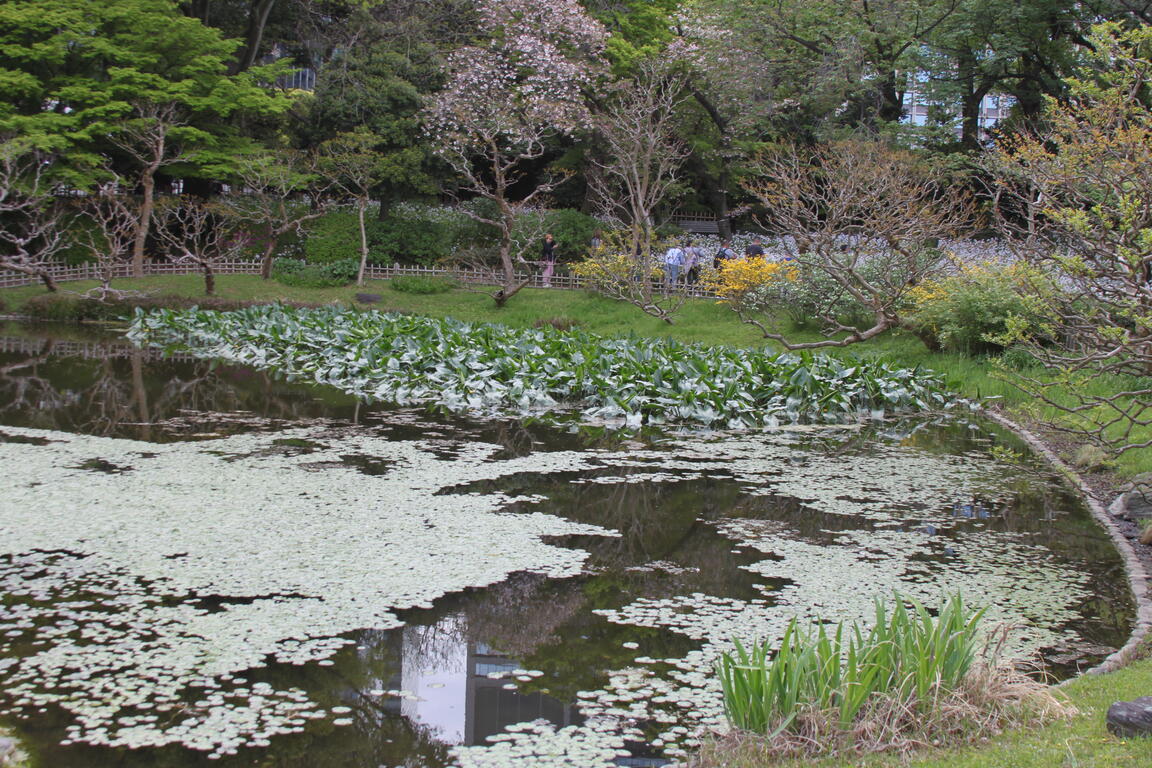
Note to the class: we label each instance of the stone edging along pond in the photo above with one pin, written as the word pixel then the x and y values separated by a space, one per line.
pixel 1133 567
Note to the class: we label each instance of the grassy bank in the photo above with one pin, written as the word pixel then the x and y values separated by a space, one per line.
pixel 1081 741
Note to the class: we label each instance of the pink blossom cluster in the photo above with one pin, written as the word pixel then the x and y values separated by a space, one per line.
pixel 530 77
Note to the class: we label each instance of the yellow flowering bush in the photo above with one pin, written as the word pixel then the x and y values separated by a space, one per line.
pixel 607 268
pixel 982 307
pixel 738 280
pixel 618 270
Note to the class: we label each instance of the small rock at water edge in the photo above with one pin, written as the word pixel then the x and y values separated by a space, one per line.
pixel 1127 719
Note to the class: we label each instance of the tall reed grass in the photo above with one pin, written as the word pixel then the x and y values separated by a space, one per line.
pixel 914 669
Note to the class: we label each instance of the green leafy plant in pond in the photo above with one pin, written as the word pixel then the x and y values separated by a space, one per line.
pixel 421 284
pixel 908 655
pixel 494 369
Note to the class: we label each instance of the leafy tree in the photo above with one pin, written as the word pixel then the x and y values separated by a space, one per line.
pixel 247 19
pixel 279 193
pixel 638 29
pixel 1075 199
pixel 820 60
pixel 354 168
pixel 377 82
pixel 134 81
pixel 71 70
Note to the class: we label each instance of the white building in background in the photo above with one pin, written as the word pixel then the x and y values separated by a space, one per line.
pixel 918 108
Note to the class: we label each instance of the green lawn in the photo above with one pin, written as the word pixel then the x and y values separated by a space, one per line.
pixel 1081 742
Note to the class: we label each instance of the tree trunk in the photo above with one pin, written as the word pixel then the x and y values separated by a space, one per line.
pixel 360 206
pixel 257 21
pixel 49 283
pixel 144 221
pixel 209 280
pixel 266 258
pixel 891 107
pixel 140 395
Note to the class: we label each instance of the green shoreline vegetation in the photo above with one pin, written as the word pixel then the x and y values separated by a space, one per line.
pixel 1078 741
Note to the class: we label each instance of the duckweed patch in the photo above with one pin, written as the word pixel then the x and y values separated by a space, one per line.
pixel 149 624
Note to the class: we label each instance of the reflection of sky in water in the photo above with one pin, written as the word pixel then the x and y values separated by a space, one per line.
pixel 438 678
pixel 712 534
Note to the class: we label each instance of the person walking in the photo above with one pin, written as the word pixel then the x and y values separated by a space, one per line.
pixel 548 256
pixel 692 259
pixel 673 261
pixel 724 254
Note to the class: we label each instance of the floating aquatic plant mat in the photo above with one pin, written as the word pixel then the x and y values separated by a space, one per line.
pixel 152 591
pixel 495 369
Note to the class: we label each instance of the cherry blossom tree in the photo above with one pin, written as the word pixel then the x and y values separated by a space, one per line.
pixel 506 100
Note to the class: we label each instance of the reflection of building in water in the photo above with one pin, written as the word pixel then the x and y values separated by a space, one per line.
pixel 454 695
pixel 492 708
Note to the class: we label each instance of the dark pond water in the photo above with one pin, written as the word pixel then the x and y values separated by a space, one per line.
pixel 454 661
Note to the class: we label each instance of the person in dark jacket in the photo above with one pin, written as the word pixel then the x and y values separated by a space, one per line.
pixel 548 256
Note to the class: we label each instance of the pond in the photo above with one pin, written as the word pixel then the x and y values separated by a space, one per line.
pixel 203 565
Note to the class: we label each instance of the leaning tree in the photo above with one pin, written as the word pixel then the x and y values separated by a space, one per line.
pixel 863 221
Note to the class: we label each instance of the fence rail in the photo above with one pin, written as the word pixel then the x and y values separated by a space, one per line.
pixel 63 273
pixel 88 350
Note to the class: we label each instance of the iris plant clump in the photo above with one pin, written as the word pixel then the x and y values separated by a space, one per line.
pixel 494 369
pixel 916 676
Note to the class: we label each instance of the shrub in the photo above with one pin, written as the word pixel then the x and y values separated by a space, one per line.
pixel 764 287
pixel 422 241
pixel 300 274
pixel 972 310
pixel 73 308
pixel 737 278
pixel 335 236
pixel 572 231
pixel 421 284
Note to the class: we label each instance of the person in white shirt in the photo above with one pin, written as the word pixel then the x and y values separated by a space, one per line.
pixel 673 261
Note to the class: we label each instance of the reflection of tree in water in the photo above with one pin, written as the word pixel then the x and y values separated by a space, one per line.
pixel 523 613
pixel 111 388
pixel 22 388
